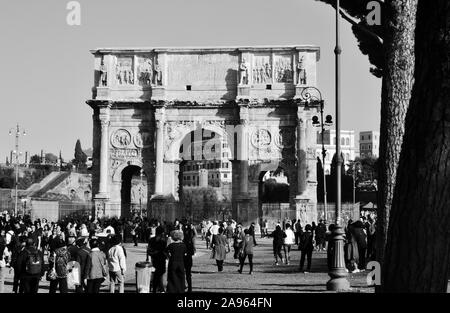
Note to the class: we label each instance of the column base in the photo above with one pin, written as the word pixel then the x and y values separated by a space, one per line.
pixel 164 209
pixel 305 210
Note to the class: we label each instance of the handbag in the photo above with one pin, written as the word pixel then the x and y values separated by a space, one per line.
pixel 51 274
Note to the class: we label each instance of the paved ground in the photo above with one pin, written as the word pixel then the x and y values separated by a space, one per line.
pixel 266 277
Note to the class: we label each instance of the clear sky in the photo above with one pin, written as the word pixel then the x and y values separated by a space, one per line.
pixel 47 69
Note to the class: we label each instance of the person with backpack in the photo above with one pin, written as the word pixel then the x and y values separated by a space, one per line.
pixel 117 264
pixel 30 267
pixel 82 258
pixel 306 246
pixel 246 251
pixel 58 261
pixel 97 267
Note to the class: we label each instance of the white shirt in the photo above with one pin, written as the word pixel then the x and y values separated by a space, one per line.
pixel 290 237
pixel 214 229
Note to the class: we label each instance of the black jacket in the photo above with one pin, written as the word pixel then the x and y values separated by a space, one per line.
pixel 82 258
pixel 22 262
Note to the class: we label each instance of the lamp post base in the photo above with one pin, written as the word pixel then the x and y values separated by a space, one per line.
pixel 338 275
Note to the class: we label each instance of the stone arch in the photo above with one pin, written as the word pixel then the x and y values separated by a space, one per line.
pixel 117 175
pixel 172 152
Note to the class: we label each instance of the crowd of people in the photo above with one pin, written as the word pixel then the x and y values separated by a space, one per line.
pixel 84 253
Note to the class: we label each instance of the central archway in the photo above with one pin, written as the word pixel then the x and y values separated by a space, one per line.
pixel 274 197
pixel 205 175
pixel 133 191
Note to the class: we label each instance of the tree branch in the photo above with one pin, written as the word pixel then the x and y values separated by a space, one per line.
pixel 362 28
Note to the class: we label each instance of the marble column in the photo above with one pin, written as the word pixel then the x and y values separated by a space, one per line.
pixel 103 185
pixel 301 156
pixel 243 153
pixel 159 175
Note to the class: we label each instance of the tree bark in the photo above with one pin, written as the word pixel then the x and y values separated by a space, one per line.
pixel 398 79
pixel 417 251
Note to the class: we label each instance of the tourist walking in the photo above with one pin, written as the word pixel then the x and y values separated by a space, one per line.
pixel 278 241
pixel 246 252
pixel 238 237
pixel 97 267
pixel 306 247
pixel 320 236
pixel 360 237
pixel 117 265
pixel 30 267
pixel 58 261
pixel 251 231
pixel 219 245
pixel 135 233
pixel 330 247
pixel 175 272
pixel 289 240
pixel 157 251
pixel 189 240
pixel 82 258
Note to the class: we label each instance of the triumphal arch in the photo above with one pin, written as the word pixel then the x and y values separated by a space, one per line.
pixel 147 101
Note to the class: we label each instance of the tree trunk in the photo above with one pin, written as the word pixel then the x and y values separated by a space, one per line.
pixel 398 79
pixel 418 245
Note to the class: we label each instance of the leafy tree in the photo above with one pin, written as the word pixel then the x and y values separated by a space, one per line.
pixel 80 156
pixel 390 48
pixel 35 159
pixel 50 158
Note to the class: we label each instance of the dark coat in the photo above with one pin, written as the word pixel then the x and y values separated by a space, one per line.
pixel 189 241
pixel 73 250
pixel 357 231
pixel 157 251
pixel 278 237
pixel 175 272
pixel 220 247
pixel 306 241
pixel 82 257
pixel 247 246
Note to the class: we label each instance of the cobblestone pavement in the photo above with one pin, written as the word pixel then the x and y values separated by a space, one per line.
pixel 266 277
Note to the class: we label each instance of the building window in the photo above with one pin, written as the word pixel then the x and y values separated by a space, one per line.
pixel 225 175
pixel 342 141
pixel 347 141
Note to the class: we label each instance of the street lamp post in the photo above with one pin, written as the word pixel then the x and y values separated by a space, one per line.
pixel 322 124
pixel 16 153
pixel 338 274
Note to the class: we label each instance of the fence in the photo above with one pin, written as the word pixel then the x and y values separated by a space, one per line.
pixel 75 208
pixel 348 211
pixel 276 213
pixel 54 210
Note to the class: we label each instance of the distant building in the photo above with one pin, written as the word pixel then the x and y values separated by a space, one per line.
pixel 207 163
pixel 347 147
pixel 369 144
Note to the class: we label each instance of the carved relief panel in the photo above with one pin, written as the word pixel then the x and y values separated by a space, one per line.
pixel 145 70
pixel 283 72
pixel 125 70
pixel 262 69
pixel 272 143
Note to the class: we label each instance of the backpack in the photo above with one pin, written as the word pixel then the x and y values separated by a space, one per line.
pixel 33 263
